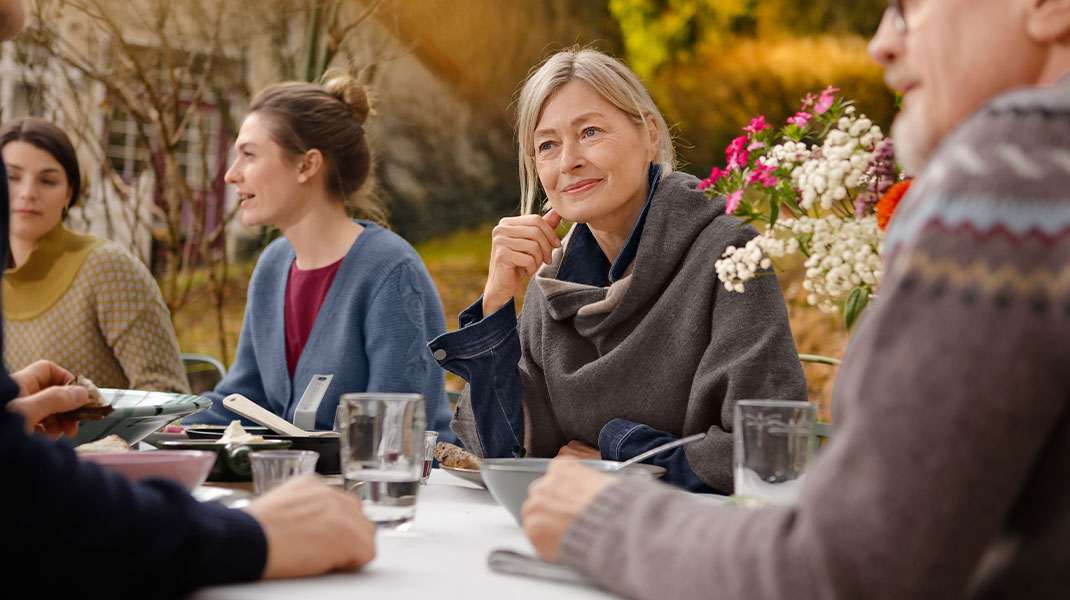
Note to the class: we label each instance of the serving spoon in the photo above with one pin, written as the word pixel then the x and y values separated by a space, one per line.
pixel 659 449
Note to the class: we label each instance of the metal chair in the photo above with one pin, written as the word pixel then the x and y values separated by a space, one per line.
pixel 824 430
pixel 203 372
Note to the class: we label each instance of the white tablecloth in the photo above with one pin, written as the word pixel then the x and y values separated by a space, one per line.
pixel 443 555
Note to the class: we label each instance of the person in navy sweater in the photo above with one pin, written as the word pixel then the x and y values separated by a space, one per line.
pixel 69 524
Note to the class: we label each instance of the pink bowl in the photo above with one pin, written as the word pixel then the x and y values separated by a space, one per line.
pixel 186 467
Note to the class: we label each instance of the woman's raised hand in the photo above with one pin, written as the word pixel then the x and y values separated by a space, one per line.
pixel 519 246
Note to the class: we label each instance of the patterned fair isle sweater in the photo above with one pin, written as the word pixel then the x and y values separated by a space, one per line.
pixel 93 308
pixel 949 475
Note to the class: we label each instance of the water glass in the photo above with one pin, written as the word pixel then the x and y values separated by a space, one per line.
pixel 383 453
pixel 430 439
pixel 775 442
pixel 272 468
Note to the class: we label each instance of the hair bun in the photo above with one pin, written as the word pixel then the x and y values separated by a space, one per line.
pixel 347 89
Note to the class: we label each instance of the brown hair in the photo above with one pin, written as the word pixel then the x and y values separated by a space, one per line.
pixel 329 118
pixel 51 139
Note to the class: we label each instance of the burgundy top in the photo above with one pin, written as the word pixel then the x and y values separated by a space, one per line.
pixel 305 292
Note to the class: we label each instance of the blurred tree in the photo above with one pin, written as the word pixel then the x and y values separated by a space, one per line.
pixel 713 64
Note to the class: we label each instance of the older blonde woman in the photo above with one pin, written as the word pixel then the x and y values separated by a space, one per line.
pixel 626 339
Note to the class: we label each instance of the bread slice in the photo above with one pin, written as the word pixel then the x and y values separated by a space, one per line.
pixel 104 445
pixel 96 408
pixel 456 457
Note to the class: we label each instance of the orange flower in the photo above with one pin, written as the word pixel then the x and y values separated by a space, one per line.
pixel 887 204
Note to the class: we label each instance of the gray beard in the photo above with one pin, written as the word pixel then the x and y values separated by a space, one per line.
pixel 913 144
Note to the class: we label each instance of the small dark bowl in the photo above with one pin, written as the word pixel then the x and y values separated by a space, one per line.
pixel 329 448
pixel 232 460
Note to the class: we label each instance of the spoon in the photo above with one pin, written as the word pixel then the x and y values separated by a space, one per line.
pixel 659 449
pixel 245 407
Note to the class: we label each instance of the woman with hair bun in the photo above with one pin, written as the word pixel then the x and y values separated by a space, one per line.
pixel 80 301
pixel 333 296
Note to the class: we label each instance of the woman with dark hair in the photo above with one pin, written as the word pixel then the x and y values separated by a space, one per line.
pixel 333 296
pixel 78 300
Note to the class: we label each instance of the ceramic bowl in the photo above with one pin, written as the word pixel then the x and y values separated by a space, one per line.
pixel 232 460
pixel 189 467
pixel 137 414
pixel 508 478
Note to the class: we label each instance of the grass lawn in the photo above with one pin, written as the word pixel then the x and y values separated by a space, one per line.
pixel 458 266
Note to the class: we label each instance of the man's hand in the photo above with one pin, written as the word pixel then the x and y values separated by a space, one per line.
pixel 312 529
pixel 579 450
pixel 12 18
pixel 44 394
pixel 554 501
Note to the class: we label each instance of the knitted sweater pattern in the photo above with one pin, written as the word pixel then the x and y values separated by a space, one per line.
pixel 370 334
pixel 110 324
pixel 947 476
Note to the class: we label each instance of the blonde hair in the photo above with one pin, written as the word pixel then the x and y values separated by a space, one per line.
pixel 609 78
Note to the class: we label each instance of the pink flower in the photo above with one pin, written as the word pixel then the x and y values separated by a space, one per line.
pixel 825 101
pixel 731 202
pixel 755 146
pixel 801 118
pixel 757 125
pixel 737 154
pixel 715 174
pixel 808 101
pixel 764 175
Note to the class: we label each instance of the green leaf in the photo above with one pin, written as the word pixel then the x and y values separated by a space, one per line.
pixel 855 304
pixel 774 211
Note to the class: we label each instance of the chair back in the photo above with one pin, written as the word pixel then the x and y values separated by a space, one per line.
pixel 203 372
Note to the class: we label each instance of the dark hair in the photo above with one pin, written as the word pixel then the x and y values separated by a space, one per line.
pixel 329 118
pixel 51 139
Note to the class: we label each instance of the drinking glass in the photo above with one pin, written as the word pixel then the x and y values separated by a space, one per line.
pixel 272 468
pixel 430 439
pixel 382 453
pixel 775 442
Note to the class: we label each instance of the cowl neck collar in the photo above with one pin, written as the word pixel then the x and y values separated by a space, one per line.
pixel 676 216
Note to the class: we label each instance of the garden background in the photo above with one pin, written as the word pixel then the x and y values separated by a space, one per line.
pixel 153 91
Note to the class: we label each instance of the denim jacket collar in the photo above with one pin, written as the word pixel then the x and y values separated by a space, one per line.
pixel 585 263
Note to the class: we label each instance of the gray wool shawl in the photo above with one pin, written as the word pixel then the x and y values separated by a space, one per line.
pixel 665 346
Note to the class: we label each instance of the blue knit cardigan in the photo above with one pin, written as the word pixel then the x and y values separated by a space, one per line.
pixel 371 334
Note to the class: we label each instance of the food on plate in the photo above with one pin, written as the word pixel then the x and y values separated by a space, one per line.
pixel 96 408
pixel 456 458
pixel 104 445
pixel 236 434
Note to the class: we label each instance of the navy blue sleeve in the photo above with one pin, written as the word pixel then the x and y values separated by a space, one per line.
pixel 485 353
pixel 621 439
pixel 69 522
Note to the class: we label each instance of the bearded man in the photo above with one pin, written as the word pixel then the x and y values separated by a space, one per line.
pixel 948 474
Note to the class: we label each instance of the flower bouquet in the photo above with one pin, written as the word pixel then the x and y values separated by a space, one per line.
pixel 815 184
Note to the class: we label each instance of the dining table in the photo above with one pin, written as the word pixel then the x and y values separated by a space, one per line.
pixel 444 554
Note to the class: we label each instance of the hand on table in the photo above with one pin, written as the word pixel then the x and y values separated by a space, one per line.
pixel 519 245
pixel 312 529
pixel 44 394
pixel 577 449
pixel 554 501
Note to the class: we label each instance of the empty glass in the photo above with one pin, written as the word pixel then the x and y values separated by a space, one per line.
pixel 775 442
pixel 271 468
pixel 430 439
pixel 383 453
